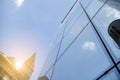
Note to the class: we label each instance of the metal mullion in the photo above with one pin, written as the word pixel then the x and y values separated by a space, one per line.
pixel 58 52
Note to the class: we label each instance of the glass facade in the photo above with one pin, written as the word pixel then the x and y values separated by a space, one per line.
pixel 83 49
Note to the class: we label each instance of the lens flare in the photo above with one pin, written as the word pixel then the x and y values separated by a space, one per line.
pixel 18 65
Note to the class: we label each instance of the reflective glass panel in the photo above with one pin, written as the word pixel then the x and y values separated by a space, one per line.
pixel 103 19
pixel 49 73
pixel 85 3
pixel 53 52
pixel 59 35
pixel 84 60
pixel 50 60
pixel 72 17
pixel 75 30
pixel 112 75
pixel 94 6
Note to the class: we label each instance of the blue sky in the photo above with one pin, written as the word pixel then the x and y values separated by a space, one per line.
pixel 28 26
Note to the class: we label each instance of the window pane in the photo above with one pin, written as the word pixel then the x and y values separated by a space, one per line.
pixel 49 73
pixel 103 19
pixel 50 60
pixel 59 35
pixel 112 75
pixel 84 60
pixel 94 6
pixel 85 3
pixel 75 30
pixel 53 51
pixel 72 17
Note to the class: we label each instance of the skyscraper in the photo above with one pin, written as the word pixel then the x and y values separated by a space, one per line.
pixel 84 49
pixel 8 69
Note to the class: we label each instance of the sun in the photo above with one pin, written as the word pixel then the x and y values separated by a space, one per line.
pixel 18 65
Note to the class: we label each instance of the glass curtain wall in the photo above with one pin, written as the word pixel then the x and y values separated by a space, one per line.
pixel 83 49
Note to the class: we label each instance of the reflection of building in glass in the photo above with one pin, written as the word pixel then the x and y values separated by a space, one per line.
pixel 8 69
pixel 83 49
pixel 113 3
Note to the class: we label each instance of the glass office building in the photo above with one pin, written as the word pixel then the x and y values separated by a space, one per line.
pixel 83 49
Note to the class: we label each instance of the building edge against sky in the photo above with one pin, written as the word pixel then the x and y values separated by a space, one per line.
pixel 83 49
pixel 10 71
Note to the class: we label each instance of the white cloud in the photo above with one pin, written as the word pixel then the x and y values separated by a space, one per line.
pixel 89 45
pixel 19 2
pixel 112 12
